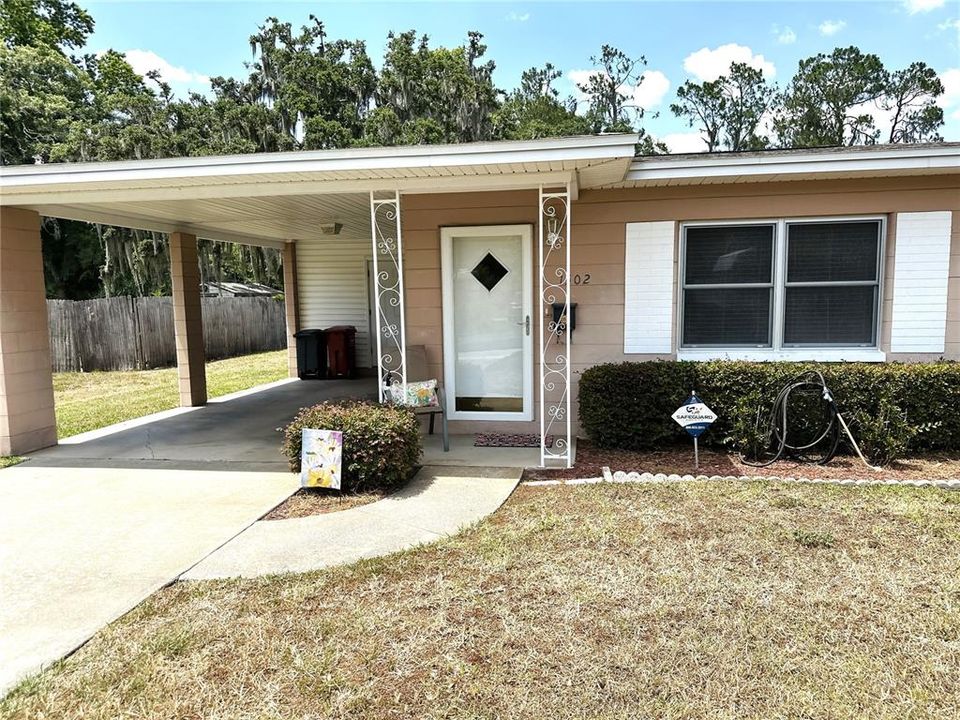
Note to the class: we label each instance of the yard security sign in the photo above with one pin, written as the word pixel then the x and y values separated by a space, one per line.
pixel 694 417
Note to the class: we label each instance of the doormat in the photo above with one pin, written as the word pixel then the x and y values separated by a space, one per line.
pixel 510 440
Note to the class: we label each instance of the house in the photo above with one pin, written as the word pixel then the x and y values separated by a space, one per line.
pixel 479 252
pixel 213 288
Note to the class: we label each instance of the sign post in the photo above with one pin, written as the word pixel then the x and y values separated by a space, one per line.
pixel 694 417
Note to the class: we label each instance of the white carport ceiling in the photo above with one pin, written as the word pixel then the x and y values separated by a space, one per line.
pixel 266 199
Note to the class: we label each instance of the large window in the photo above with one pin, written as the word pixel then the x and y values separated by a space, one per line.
pixel 781 284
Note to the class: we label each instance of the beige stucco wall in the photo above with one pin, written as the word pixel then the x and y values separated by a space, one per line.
pixel 599 239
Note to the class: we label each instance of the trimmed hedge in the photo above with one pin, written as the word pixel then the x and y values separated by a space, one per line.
pixel 892 407
pixel 381 443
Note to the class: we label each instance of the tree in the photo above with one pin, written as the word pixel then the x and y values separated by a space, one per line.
pixel 609 95
pixel 54 24
pixel 910 99
pixel 826 102
pixel 534 110
pixel 433 95
pixel 321 89
pixel 608 90
pixel 728 110
pixel 42 93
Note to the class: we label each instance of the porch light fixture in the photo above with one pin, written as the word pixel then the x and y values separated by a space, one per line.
pixel 331 228
pixel 553 232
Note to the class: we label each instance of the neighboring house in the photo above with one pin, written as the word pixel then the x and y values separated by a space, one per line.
pixel 237 289
pixel 823 254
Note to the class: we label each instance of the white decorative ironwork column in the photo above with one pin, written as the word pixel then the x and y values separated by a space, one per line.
pixel 554 262
pixel 388 285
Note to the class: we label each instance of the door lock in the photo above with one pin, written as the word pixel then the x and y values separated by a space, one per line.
pixel 526 324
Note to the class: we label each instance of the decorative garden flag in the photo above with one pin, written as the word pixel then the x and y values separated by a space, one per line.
pixel 321 458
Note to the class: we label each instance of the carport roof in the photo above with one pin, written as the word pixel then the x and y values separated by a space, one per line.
pixel 268 198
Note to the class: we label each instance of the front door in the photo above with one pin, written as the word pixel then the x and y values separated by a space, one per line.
pixel 487 332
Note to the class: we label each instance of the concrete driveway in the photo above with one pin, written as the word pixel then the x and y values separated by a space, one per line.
pixel 92 527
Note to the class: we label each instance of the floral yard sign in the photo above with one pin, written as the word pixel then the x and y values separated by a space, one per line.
pixel 321 458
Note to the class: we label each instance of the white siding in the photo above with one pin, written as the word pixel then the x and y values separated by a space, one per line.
pixel 648 296
pixel 921 267
pixel 332 276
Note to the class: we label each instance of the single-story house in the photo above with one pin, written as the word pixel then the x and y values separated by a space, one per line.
pixel 518 264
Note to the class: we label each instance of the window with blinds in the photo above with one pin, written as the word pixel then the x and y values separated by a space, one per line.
pixel 832 283
pixel 781 284
pixel 728 286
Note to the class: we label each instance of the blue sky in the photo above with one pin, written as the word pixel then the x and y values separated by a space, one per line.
pixel 191 41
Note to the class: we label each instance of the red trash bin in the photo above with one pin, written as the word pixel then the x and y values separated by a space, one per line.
pixel 341 351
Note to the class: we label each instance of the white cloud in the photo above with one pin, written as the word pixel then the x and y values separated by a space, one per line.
pixel 707 65
pixel 650 92
pixel 179 78
pixel 950 102
pixel 921 6
pixel 785 35
pixel 953 24
pixel 518 17
pixel 828 28
pixel 685 142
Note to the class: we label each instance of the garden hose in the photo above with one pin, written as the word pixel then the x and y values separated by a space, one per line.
pixel 817 439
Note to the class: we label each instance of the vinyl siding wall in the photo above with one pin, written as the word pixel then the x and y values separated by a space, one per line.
pixel 332 279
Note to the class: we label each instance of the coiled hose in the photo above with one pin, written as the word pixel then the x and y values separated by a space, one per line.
pixel 784 439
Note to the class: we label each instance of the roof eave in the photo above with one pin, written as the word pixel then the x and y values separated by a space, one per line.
pixel 913 160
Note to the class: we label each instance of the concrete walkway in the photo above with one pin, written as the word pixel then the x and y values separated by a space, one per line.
pixel 81 546
pixel 440 501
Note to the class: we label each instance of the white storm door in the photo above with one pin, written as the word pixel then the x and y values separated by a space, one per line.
pixel 487 322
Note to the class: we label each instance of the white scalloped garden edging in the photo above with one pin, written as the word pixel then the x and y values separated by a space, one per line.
pixel 659 478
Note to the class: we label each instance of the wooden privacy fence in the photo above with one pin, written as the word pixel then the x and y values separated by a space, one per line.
pixel 135 333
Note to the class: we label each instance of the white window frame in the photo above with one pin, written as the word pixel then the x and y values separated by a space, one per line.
pixel 778 350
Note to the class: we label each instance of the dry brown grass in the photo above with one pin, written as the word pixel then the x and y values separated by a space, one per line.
pixel 611 601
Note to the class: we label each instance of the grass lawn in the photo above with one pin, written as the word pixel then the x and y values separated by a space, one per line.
pixel 8 460
pixel 87 401
pixel 682 601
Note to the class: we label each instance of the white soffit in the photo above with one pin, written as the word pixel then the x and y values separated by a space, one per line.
pixel 785 165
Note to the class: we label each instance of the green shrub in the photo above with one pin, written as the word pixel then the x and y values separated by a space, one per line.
pixel 628 405
pixel 892 408
pixel 381 443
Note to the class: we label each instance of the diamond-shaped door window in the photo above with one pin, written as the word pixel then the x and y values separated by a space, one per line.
pixel 489 271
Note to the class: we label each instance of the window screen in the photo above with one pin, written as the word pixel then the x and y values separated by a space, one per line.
pixel 832 283
pixel 728 285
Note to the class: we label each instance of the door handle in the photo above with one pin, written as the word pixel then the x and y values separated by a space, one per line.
pixel 526 324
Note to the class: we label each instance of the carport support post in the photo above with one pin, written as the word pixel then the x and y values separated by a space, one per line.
pixel 291 304
pixel 188 319
pixel 27 419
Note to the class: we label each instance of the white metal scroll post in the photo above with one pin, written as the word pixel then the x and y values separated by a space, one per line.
pixel 387 240
pixel 694 417
pixel 553 259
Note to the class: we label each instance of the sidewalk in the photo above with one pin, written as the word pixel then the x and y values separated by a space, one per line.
pixel 438 502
